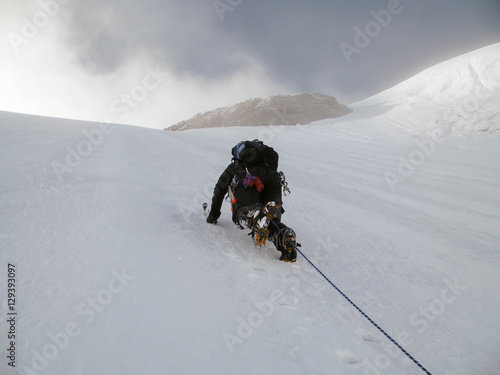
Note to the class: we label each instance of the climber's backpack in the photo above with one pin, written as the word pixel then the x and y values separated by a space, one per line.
pixel 255 152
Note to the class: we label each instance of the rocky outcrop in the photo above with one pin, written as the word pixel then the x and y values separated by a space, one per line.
pixel 275 110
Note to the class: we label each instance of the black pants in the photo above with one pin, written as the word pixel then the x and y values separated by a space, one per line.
pixel 248 198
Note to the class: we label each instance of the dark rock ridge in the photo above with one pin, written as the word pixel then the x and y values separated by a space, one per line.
pixel 275 110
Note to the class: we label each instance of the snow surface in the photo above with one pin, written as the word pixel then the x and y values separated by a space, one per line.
pixel 457 97
pixel 117 271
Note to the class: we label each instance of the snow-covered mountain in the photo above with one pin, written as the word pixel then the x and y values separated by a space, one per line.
pixel 275 110
pixel 460 96
pixel 114 270
pixel 457 97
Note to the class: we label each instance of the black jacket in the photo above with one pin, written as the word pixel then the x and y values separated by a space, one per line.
pixel 246 196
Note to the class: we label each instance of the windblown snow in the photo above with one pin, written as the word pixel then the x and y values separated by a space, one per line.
pixel 115 270
pixel 457 97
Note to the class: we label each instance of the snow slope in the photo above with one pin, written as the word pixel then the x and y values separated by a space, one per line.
pixel 457 97
pixel 117 271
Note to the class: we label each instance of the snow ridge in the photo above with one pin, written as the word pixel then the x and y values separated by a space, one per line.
pixel 458 97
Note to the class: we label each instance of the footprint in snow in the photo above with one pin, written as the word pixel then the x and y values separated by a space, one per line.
pixel 347 356
pixel 257 268
pixel 367 336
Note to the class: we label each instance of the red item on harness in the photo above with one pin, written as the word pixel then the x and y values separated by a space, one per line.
pixel 251 181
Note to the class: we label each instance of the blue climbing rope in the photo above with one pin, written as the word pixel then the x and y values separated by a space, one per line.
pixel 354 305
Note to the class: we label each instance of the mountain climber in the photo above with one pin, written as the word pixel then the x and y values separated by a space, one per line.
pixel 254 187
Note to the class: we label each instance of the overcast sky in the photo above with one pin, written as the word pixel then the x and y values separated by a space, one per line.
pixel 153 63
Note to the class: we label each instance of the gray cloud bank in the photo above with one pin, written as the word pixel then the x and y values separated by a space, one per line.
pixel 297 42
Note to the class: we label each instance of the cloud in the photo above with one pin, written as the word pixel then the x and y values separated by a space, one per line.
pixel 180 35
pixel 90 61
pixel 295 41
pixel 95 52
